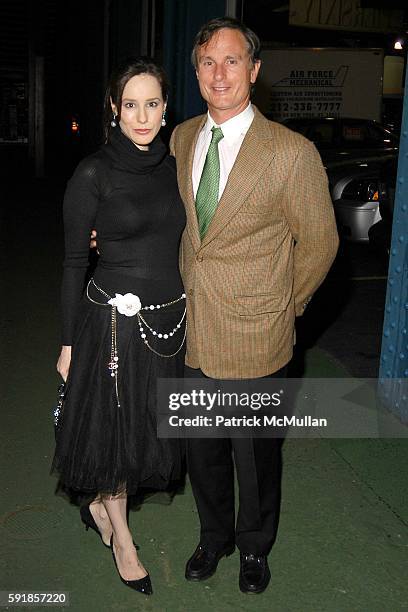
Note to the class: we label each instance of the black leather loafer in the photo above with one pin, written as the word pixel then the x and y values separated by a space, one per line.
pixel 254 574
pixel 204 562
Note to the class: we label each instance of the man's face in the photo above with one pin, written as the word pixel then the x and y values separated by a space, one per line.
pixel 225 74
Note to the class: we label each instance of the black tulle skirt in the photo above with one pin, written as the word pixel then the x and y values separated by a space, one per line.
pixel 103 448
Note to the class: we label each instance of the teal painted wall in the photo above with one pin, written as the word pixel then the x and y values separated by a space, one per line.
pixel 394 350
pixel 181 22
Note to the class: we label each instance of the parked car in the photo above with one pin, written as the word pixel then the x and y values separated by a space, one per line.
pixel 354 152
pixel 355 189
pixel 380 233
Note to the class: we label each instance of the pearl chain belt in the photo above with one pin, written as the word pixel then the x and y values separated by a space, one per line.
pixel 130 305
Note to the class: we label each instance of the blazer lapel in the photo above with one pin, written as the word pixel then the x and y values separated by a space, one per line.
pixel 252 161
pixel 185 179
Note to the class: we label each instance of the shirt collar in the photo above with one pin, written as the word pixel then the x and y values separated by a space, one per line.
pixel 234 127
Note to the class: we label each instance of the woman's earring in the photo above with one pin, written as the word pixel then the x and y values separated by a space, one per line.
pixel 163 121
pixel 113 122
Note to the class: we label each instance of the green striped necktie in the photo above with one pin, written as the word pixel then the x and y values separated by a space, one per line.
pixel 207 192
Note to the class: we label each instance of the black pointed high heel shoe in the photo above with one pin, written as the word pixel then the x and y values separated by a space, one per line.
pixel 89 521
pixel 143 585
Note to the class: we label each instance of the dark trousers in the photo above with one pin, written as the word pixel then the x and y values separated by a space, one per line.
pixel 258 463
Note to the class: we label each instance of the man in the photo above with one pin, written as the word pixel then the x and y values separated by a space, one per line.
pixel 260 238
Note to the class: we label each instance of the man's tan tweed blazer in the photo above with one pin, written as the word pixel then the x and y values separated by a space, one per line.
pixel 269 246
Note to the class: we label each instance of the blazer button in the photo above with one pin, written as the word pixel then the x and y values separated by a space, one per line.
pixel 190 292
pixel 200 258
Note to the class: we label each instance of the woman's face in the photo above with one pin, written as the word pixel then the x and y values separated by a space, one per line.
pixel 142 109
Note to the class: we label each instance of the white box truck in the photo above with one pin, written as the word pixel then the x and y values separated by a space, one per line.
pixel 320 82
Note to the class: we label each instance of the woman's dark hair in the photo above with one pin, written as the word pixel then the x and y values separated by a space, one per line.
pixel 209 29
pixel 127 69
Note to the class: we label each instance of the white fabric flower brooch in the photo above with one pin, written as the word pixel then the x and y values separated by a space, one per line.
pixel 127 304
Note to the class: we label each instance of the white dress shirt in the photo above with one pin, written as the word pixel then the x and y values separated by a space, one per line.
pixel 234 131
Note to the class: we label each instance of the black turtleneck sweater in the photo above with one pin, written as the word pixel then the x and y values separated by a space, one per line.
pixel 131 198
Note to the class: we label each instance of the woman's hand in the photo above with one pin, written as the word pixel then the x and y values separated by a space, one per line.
pixel 64 362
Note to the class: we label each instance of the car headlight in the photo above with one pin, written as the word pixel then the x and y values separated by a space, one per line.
pixel 365 190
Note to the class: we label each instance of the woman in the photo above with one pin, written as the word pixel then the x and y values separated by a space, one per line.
pixel 128 326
